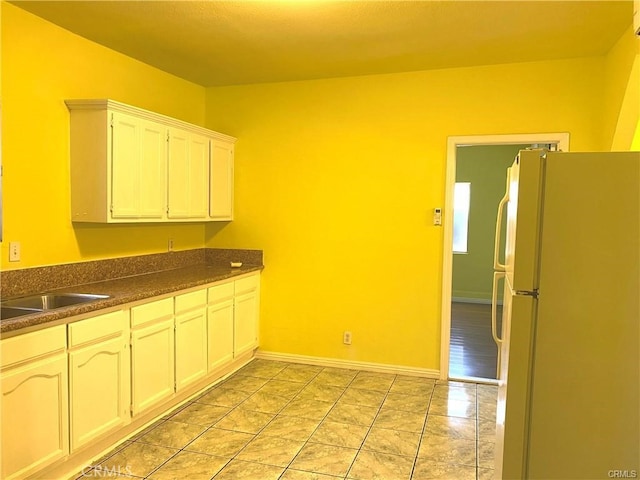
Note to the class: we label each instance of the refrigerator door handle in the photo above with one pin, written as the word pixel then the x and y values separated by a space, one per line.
pixel 494 303
pixel 497 266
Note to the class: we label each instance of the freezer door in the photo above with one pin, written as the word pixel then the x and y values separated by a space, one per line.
pixel 524 213
pixel 519 313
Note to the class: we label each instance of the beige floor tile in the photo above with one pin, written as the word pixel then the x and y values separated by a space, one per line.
pixel 368 398
pixel 172 434
pixel 452 408
pixel 487 412
pixel 373 381
pixel 200 414
pixel 485 473
pixel 241 420
pixel 339 434
pixel 337 377
pixel 318 391
pixel 461 451
pixel 222 443
pixel 451 427
pixel 292 428
pixel 393 442
pixel 271 451
pixel 189 465
pixel 147 429
pixel 399 420
pixel 328 459
pixel 175 410
pixel 487 394
pixel 265 402
pixel 408 403
pixel 138 459
pixel 262 369
pixel 291 474
pixel 282 388
pixel 455 392
pixel 306 408
pixel 413 386
pixel 354 414
pixel 487 430
pixel 244 384
pixel 298 373
pixel 486 454
pixel 224 397
pixel 239 470
pixel 427 469
pixel 380 466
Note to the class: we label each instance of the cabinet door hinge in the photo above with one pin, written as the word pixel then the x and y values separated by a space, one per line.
pixel 131 410
pixel 111 121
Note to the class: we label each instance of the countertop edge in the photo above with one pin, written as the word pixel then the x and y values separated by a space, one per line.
pixel 164 283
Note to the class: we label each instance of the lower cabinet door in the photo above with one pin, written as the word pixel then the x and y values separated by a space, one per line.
pixel 245 323
pixel 35 418
pixel 220 333
pixel 152 364
pixel 99 386
pixel 191 347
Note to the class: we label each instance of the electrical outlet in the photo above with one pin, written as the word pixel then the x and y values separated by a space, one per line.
pixel 14 251
pixel 170 245
pixel 346 338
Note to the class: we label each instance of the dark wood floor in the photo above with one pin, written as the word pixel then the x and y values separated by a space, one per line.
pixel 472 351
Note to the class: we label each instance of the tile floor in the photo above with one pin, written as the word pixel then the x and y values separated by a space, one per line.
pixel 276 420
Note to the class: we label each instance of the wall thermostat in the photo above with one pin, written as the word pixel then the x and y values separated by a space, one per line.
pixel 437 216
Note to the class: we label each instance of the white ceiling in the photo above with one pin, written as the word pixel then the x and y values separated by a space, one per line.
pixel 215 43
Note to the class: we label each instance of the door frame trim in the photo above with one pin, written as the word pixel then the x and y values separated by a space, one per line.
pixel 560 138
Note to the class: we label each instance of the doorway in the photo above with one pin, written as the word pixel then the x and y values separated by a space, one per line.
pixel 476 174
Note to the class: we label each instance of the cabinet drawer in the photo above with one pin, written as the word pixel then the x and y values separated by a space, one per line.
pixel 247 284
pixel 33 345
pixel 151 311
pixel 221 292
pixel 102 326
pixel 189 301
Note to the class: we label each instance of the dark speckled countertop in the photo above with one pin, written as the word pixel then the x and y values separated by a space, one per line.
pixel 126 290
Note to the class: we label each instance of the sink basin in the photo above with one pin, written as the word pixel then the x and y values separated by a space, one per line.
pixel 10 312
pixel 50 301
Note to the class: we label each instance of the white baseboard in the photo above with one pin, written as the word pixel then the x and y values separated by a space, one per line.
pixel 349 364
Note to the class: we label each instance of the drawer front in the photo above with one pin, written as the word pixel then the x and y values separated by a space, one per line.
pixel 222 292
pixel 33 345
pixel 151 311
pixel 189 301
pixel 102 326
pixel 247 284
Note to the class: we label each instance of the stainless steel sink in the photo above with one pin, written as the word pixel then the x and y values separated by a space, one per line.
pixel 49 301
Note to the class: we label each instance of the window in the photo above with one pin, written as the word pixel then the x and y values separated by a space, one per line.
pixel 461 201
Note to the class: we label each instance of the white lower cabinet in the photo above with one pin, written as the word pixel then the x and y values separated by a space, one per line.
pixel 220 325
pixel 99 376
pixel 246 307
pixel 34 413
pixel 191 337
pixel 152 354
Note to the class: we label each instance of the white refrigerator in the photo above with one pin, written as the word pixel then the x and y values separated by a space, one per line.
pixel 569 375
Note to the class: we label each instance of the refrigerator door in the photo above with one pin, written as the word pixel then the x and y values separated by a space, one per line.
pixel 518 321
pixel 585 401
pixel 523 220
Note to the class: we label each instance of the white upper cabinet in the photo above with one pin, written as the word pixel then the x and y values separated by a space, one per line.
pixel 221 181
pixel 188 175
pixel 130 165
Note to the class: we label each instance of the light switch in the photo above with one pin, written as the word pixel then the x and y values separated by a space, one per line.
pixel 14 251
pixel 437 216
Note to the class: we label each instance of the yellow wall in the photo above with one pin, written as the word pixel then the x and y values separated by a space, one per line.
pixel 336 180
pixel 42 65
pixel 622 94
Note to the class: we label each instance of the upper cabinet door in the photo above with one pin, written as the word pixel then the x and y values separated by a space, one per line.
pixel 188 180
pixel 125 166
pixel 221 181
pixel 153 170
